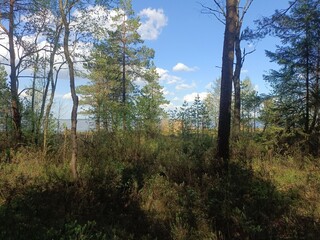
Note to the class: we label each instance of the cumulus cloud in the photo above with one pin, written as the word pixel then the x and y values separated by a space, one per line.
pixel 180 67
pixel 190 97
pixel 67 96
pixel 152 23
pixel 184 86
pixel 165 76
pixel 169 106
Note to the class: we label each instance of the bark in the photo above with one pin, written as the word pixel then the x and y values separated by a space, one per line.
pixel 16 115
pixel 53 88
pixel 124 86
pixel 35 126
pixel 316 95
pixel 236 83
pixel 124 80
pixel 307 117
pixel 226 81
pixel 75 100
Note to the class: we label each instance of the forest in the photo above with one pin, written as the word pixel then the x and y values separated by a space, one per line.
pixel 237 164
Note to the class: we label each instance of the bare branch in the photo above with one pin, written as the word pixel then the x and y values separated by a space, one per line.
pixel 245 9
pixel 5 64
pixel 246 54
pixel 4 29
pixel 1 45
pixel 214 12
pixel 221 8
pixel 23 90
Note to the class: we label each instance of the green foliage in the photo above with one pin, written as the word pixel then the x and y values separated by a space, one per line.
pixel 119 59
pixel 165 187
pixel 296 83
pixel 5 111
pixel 149 102
pixel 250 102
pixel 192 119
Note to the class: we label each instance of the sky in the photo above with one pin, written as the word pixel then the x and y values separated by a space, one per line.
pixel 188 49
pixel 189 46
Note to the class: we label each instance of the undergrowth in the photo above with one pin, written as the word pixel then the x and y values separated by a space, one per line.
pixel 165 187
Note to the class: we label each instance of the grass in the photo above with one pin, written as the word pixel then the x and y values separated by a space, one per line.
pixel 301 176
pixel 158 188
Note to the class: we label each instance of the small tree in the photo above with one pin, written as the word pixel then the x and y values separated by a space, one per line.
pixel 65 9
pixel 5 113
pixel 149 102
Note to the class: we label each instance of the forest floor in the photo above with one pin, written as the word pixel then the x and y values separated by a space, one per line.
pixel 133 187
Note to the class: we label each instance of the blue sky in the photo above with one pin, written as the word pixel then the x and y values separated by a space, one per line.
pixel 195 40
pixel 188 47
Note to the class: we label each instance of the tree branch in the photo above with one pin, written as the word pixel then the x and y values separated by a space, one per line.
pixel 215 13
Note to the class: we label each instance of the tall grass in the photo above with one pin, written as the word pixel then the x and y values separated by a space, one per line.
pixel 166 187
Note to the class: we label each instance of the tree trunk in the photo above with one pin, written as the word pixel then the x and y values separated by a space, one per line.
pixel 35 126
pixel 236 84
pixel 53 88
pixel 16 116
pixel 124 87
pixel 307 118
pixel 226 81
pixel 75 100
pixel 316 95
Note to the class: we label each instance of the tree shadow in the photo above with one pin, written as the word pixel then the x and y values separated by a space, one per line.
pixel 238 204
pixel 243 205
pixel 65 210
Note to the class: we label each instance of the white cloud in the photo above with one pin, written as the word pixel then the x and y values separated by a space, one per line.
pixel 67 96
pixel 165 76
pixel 180 67
pixel 166 92
pixel 184 86
pixel 244 70
pixel 175 99
pixel 168 107
pixel 209 86
pixel 190 97
pixel 96 18
pixel 152 23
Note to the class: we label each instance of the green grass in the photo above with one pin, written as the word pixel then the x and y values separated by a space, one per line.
pixel 160 188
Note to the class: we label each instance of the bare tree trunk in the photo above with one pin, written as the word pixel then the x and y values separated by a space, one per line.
pixel 226 81
pixel 307 117
pixel 124 87
pixel 316 104
pixel 13 77
pixel 236 84
pixel 53 89
pixel 75 100
pixel 34 127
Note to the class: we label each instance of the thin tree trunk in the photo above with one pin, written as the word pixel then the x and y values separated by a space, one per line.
pixel 226 82
pixel 75 100
pixel 236 84
pixel 124 86
pixel 53 88
pixel 16 116
pixel 307 119
pixel 34 127
pixel 316 95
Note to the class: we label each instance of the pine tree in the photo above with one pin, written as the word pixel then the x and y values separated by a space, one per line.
pixel 118 59
pixel 296 83
pixel 149 102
